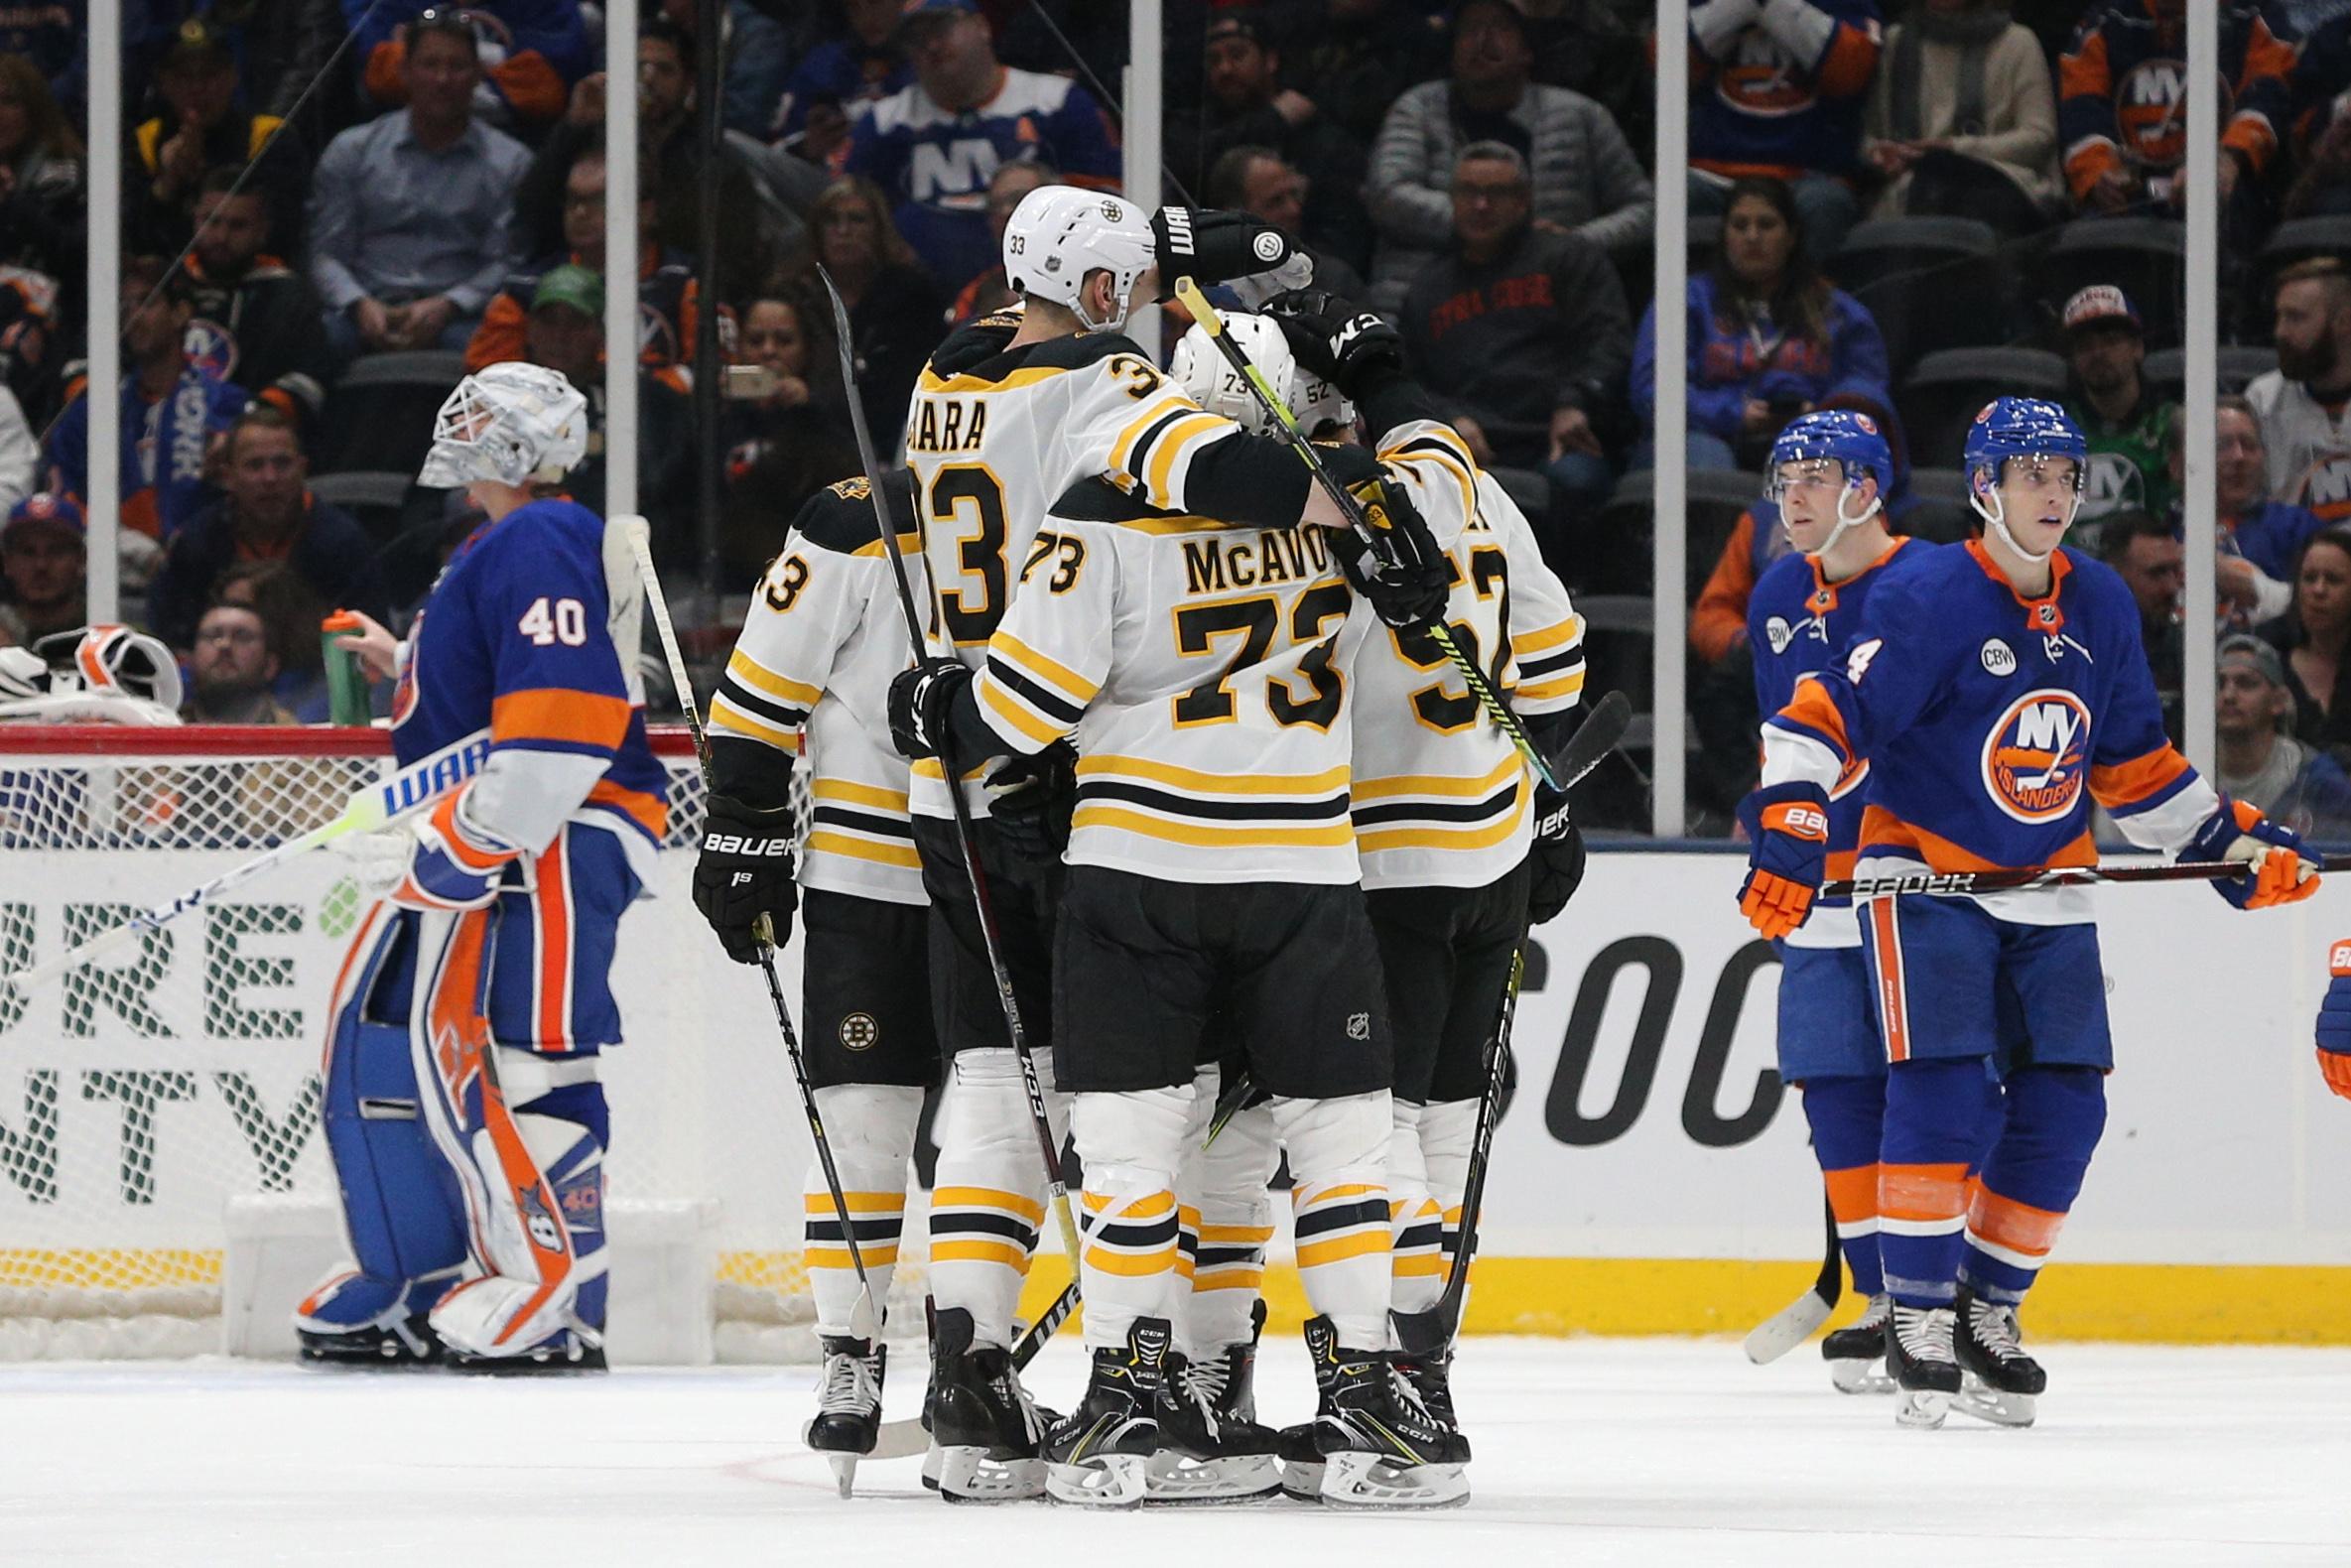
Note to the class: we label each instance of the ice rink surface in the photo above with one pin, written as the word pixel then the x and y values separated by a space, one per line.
pixel 1589 1452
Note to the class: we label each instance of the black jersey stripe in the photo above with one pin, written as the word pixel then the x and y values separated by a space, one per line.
pixel 1469 811
pixel 1340 1217
pixel 1328 809
pixel 766 707
pixel 864 821
pixel 1137 459
pixel 1544 667
pixel 1035 692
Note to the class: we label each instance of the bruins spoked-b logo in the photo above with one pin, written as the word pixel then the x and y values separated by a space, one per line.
pixel 858 1032
pixel 2036 758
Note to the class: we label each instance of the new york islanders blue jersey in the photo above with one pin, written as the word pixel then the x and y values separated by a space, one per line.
pixel 1798 623
pixel 1990 723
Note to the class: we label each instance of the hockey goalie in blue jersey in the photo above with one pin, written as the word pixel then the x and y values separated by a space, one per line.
pixel 1827 478
pixel 462 1107
pixel 1993 690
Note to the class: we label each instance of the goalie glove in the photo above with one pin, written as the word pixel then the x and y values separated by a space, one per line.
pixel 1331 338
pixel 441 860
pixel 1400 569
pixel 2280 871
pixel 1030 800
pixel 1787 836
pixel 922 706
pixel 746 871
pixel 1212 245
pixel 2334 1021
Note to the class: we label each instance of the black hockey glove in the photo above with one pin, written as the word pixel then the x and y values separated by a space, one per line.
pixel 746 871
pixel 1030 799
pixel 921 701
pixel 1336 340
pixel 1399 570
pixel 1555 861
pixel 1212 245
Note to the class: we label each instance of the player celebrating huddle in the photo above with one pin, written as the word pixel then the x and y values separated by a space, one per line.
pixel 1828 476
pixel 818 646
pixel 1994 689
pixel 1203 670
pixel 461 1105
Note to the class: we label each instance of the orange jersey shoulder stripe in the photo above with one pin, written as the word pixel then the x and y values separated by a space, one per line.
pixel 1813 709
pixel 557 713
pixel 2120 784
pixel 646 811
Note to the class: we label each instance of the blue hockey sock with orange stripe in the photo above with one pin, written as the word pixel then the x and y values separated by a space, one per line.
pixel 1848 1120
pixel 1935 1113
pixel 2056 1115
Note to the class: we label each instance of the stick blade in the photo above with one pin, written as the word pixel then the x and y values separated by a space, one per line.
pixel 900 1440
pixel 1788 1328
pixel 1603 728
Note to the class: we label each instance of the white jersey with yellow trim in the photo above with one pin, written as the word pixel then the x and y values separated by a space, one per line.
pixel 1202 670
pixel 1441 795
pixel 993 444
pixel 823 636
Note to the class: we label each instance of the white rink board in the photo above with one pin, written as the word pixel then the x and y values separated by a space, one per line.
pixel 2222 1146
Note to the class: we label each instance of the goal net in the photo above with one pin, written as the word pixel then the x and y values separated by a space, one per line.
pixel 147 1093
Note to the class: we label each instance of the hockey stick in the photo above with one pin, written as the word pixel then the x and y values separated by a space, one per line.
pixel 413 788
pixel 1438 632
pixel 966 839
pixel 868 1316
pixel 2026 880
pixel 1796 1322
pixel 1455 1296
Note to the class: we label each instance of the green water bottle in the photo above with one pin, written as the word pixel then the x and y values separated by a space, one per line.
pixel 347 683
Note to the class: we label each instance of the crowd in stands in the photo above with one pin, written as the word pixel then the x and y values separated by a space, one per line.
pixel 327 205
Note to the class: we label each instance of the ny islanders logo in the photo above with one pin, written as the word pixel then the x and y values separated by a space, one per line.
pixel 2037 756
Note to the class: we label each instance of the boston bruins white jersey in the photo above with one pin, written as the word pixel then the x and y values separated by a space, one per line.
pixel 1202 670
pixel 823 639
pixel 993 444
pixel 1442 797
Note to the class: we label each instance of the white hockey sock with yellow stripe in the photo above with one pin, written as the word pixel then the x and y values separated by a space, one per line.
pixel 1415 1230
pixel 870 1129
pixel 989 1202
pixel 1339 1203
pixel 1131 1145
pixel 1224 1184
pixel 1448 1129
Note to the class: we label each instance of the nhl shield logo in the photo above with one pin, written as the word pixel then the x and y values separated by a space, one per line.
pixel 1359 1026
pixel 2037 757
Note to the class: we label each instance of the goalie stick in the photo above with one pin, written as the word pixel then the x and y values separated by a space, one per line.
pixel 379 805
pixel 868 1316
pixel 1438 632
pixel 1048 1147
pixel 1796 1322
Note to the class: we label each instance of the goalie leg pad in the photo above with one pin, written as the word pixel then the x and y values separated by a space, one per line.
pixel 1415 1221
pixel 1226 1185
pixel 401 1209
pixel 2055 1116
pixel 1339 1173
pixel 1131 1143
pixel 871 1129
pixel 990 1198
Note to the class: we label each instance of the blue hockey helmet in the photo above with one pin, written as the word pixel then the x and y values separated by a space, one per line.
pixel 1851 437
pixel 2023 427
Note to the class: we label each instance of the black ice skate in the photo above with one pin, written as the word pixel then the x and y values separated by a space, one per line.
pixel 848 1405
pixel 1211 1447
pixel 2000 1382
pixel 1301 1459
pixel 1100 1454
pixel 1856 1354
pixel 562 1354
pixel 1919 1359
pixel 988 1434
pixel 1380 1447
pixel 1425 1355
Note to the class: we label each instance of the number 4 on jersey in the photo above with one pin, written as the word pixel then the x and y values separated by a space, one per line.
pixel 564 621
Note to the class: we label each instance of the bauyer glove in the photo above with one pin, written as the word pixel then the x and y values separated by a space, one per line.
pixel 1212 245
pixel 441 861
pixel 1336 340
pixel 920 702
pixel 1030 799
pixel 2282 872
pixel 2334 1021
pixel 1399 570
pixel 1555 861
pixel 746 871
pixel 1787 838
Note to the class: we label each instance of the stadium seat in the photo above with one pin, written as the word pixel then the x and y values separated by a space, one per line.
pixel 1932 282
pixel 1944 392
pixel 2239 365
pixel 2146 257
pixel 379 416
pixel 1716 498
pixel 373 498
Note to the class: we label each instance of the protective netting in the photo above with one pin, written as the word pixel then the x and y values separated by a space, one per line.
pixel 143 1093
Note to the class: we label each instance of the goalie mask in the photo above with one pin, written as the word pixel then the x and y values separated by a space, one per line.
pixel 110 662
pixel 513 422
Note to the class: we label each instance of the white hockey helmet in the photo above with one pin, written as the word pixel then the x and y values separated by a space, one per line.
pixel 511 421
pixel 1215 386
pixel 111 661
pixel 1058 234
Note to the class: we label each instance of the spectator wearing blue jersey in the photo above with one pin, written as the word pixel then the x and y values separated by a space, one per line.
pixel 859 64
pixel 1769 337
pixel 931 146
pixel 531 51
